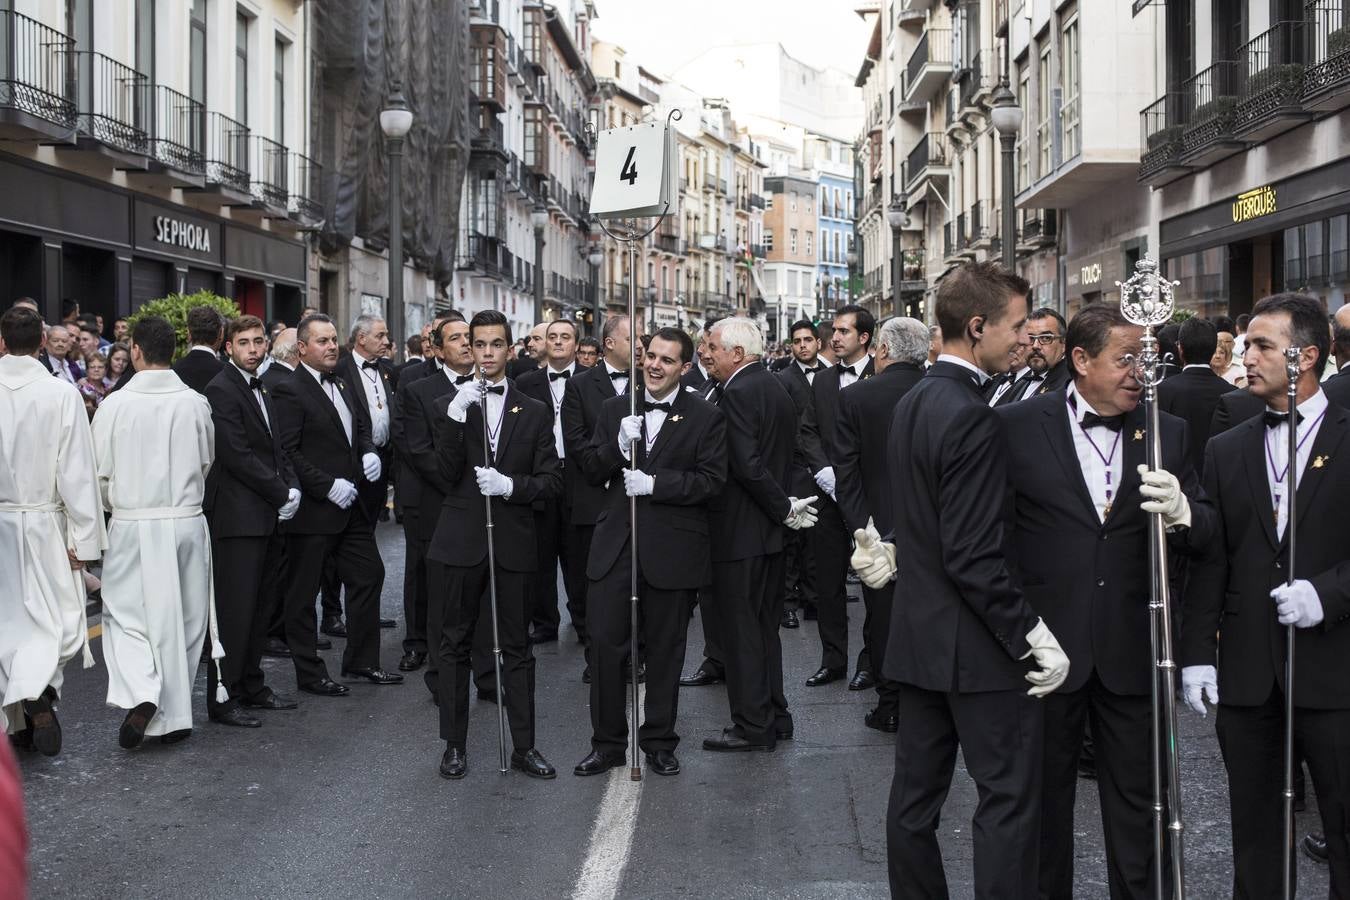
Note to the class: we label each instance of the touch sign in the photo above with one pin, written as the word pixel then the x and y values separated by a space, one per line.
pixel 634 168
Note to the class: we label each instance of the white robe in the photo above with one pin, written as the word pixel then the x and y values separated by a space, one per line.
pixel 154 442
pixel 49 503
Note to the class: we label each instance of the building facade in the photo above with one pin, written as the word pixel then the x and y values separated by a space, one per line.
pixel 791 236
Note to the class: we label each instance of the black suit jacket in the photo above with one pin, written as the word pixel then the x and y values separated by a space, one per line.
pixel 535 384
pixel 1056 380
pixel 808 457
pixel 1229 613
pixel 825 403
pixel 747 517
pixel 1088 579
pixel 960 621
pixel 413 433
pixel 373 493
pixel 585 394
pixel 251 477
pixel 1234 408
pixel 521 366
pixel 525 452
pixel 1193 395
pixel 688 463
pixel 694 378
pixel 316 443
pixel 1337 389
pixel 197 369
pixel 862 471
pixel 275 374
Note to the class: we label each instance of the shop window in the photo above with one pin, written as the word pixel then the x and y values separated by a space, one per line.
pixel 1338 249
pixel 251 296
pixel 1314 253
pixel 1293 258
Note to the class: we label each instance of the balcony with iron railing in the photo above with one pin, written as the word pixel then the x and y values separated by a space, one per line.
pixel 1036 229
pixel 975 82
pixel 929 66
pixel 306 201
pixel 982 223
pixel 709 181
pixel 113 102
pixel 178 133
pixel 927 159
pixel 1326 83
pixel 756 201
pixel 35 80
pixel 1270 97
pixel 269 170
pixel 489 140
pixel 875 120
pixel 227 154
pixel 482 254
pixel 1210 101
pixel 1162 125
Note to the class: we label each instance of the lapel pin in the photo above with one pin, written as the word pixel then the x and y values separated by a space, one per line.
pixel 676 418
pixel 1321 461
pixel 515 409
pixel 1138 434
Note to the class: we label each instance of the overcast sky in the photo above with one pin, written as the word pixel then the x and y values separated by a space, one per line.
pixel 662 35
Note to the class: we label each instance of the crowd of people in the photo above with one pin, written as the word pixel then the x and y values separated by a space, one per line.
pixel 983 478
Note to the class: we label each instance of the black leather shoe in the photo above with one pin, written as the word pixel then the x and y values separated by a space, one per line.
pixel 176 737
pixel 325 687
pixel 388 623
pixel 862 680
pixel 374 674
pixel 21 740
pixel 598 763
pixel 824 675
pixel 489 694
pixel 1315 846
pixel 730 742
pixel 235 716
pixel 412 661
pixel 271 700
pixel 334 626
pixel 132 732
pixel 323 643
pixel 789 619
pixel 881 722
pixel 663 762
pixel 43 724
pixel 628 673
pixel 586 675
pixel 276 648
pixel 701 678
pixel 532 763
pixel 543 635
pixel 454 764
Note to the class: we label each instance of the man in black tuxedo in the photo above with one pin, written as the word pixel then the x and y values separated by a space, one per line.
pixel 1045 357
pixel 863 477
pixel 747 520
pixel 680 443
pixel 799 556
pixel 512 465
pixel 533 356
pixel 1193 393
pixel 697 376
pixel 202 361
pixel 285 357
pixel 964 641
pixel 331 451
pixel 372 382
pixel 854 328
pixel 1238 603
pixel 1008 387
pixel 547 385
pixel 580 413
pixel 1079 548
pixel 1234 408
pixel 251 486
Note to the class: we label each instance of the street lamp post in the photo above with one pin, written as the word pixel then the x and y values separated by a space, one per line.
pixel 852 258
pixel 396 121
pixel 539 219
pixel 593 256
pixel 897 217
pixel 1007 116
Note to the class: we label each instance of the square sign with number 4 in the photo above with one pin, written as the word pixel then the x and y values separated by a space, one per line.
pixel 632 167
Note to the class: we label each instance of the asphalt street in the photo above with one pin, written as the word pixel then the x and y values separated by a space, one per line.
pixel 342 798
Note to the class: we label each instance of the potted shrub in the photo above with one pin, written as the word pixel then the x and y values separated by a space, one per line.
pixel 175 308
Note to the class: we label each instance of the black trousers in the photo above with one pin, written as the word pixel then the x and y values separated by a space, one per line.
pixel 414 586
pixel 578 550
pixel 1000 734
pixel 712 641
pixel 272 605
pixel 747 606
pixel 466 606
pixel 240 569
pixel 1121 729
pixel 330 590
pixel 830 543
pixel 549 539
pixel 1251 739
pixel 876 631
pixel 799 567
pixel 662 629
pixel 484 670
pixel 359 567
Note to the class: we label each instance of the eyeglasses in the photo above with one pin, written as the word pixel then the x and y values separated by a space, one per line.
pixel 1045 340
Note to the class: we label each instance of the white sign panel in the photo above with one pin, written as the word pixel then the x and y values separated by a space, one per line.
pixel 634 170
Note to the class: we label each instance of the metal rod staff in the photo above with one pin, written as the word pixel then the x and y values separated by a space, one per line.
pixel 492 578
pixel 1291 360
pixel 1146 300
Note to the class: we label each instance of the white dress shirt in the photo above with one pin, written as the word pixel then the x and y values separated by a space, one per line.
pixel 810 376
pixel 847 376
pixel 621 383
pixel 335 396
pixel 556 386
pixel 377 399
pixel 1099 452
pixel 256 391
pixel 1008 385
pixel 1310 414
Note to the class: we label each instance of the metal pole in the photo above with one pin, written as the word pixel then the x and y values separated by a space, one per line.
pixel 492 580
pixel 396 334
pixel 1009 202
pixel 1291 356
pixel 634 766
pixel 897 273
pixel 538 277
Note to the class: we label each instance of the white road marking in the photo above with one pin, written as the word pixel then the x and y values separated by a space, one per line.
pixel 612 835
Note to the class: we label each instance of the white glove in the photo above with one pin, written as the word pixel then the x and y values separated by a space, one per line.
pixel 289 508
pixel 1298 604
pixel 371 464
pixel 630 431
pixel 873 560
pixel 470 393
pixel 1164 496
pixel 825 479
pixel 801 514
pixel 343 493
pixel 637 483
pixel 1049 657
pixel 1197 683
pixel 492 483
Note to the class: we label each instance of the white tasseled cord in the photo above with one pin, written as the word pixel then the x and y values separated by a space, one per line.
pixel 217 651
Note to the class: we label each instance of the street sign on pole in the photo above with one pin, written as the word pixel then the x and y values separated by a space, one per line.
pixel 636 174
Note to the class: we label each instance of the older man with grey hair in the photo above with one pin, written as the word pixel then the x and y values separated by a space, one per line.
pixel 863 487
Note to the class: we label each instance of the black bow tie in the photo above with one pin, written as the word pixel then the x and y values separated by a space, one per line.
pixel 1111 423
pixel 811 370
pixel 715 394
pixel 651 406
pixel 328 378
pixel 255 384
pixel 617 375
pixel 554 376
pixel 460 379
pixel 498 389
pixel 1274 419
pixel 370 364
pixel 843 369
